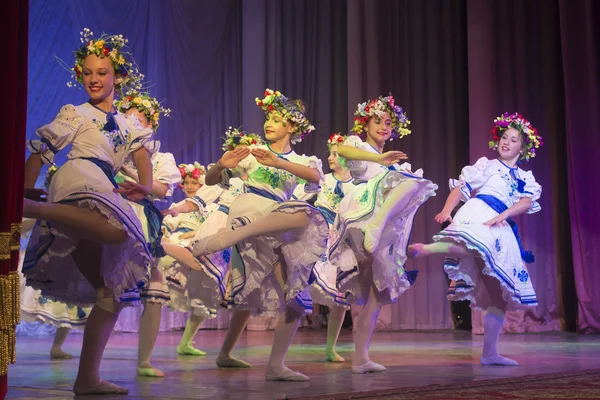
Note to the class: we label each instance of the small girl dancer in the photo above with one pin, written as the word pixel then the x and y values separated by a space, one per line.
pixel 265 222
pixel 488 267
pixel 334 188
pixel 88 245
pixel 148 110
pixel 373 225
pixel 182 222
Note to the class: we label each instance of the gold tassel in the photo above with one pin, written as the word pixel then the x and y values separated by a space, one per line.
pixel 11 314
pixel 15 236
pixel 5 239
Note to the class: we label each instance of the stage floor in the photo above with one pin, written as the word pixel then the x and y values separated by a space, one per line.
pixel 412 359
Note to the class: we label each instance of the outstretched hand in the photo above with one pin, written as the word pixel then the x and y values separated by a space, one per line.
pixel 36 194
pixel 265 157
pixel 231 159
pixel 392 157
pixel 132 191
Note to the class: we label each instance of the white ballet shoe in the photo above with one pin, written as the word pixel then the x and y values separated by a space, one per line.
pixel 367 368
pixel 287 375
pixel 498 360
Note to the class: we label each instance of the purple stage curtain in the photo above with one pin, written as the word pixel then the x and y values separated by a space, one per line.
pixel 580 44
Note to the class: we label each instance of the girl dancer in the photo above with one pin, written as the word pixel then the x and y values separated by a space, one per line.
pixel 489 265
pixel 88 245
pixel 371 232
pixel 334 188
pixel 147 110
pixel 182 227
pixel 202 291
pixel 266 221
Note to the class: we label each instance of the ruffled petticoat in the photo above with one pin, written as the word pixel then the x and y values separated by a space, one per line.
pixel 200 291
pixel 254 285
pixel 48 264
pixel 388 258
pixel 497 247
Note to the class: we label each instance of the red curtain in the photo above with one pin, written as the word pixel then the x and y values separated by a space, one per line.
pixel 14 28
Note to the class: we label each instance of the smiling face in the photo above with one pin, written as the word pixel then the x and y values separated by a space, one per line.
pixel 190 186
pixel 334 159
pixel 99 78
pixel 379 128
pixel 510 144
pixel 277 127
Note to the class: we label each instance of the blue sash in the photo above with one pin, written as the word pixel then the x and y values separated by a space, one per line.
pixel 328 214
pixel 224 209
pixel 497 205
pixel 154 219
pixel 153 215
pixel 264 194
pixel 105 167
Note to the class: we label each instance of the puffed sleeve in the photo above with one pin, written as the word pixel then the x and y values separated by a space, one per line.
pixel 165 171
pixel 527 187
pixel 205 196
pixel 56 135
pixel 315 163
pixel 472 177
pixel 357 168
pixel 139 136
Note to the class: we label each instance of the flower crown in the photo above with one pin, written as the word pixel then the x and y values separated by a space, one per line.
pixel 292 110
pixel 335 139
pixel 378 107
pixel 145 103
pixel 516 121
pixel 113 47
pixel 235 137
pixel 194 171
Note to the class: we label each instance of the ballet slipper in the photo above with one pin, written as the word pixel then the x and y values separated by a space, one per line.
pixel 188 350
pixel 60 355
pixel 231 362
pixel 286 375
pixel 333 356
pixel 498 360
pixel 102 387
pixel 149 371
pixel 367 367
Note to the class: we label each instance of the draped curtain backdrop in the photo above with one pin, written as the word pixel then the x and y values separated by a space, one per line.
pixel 453 66
pixel 13 78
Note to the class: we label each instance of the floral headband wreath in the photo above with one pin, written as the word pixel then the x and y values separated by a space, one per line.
pixel 235 137
pixel 113 47
pixel 292 110
pixel 378 107
pixel 516 121
pixel 194 171
pixel 335 140
pixel 145 104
